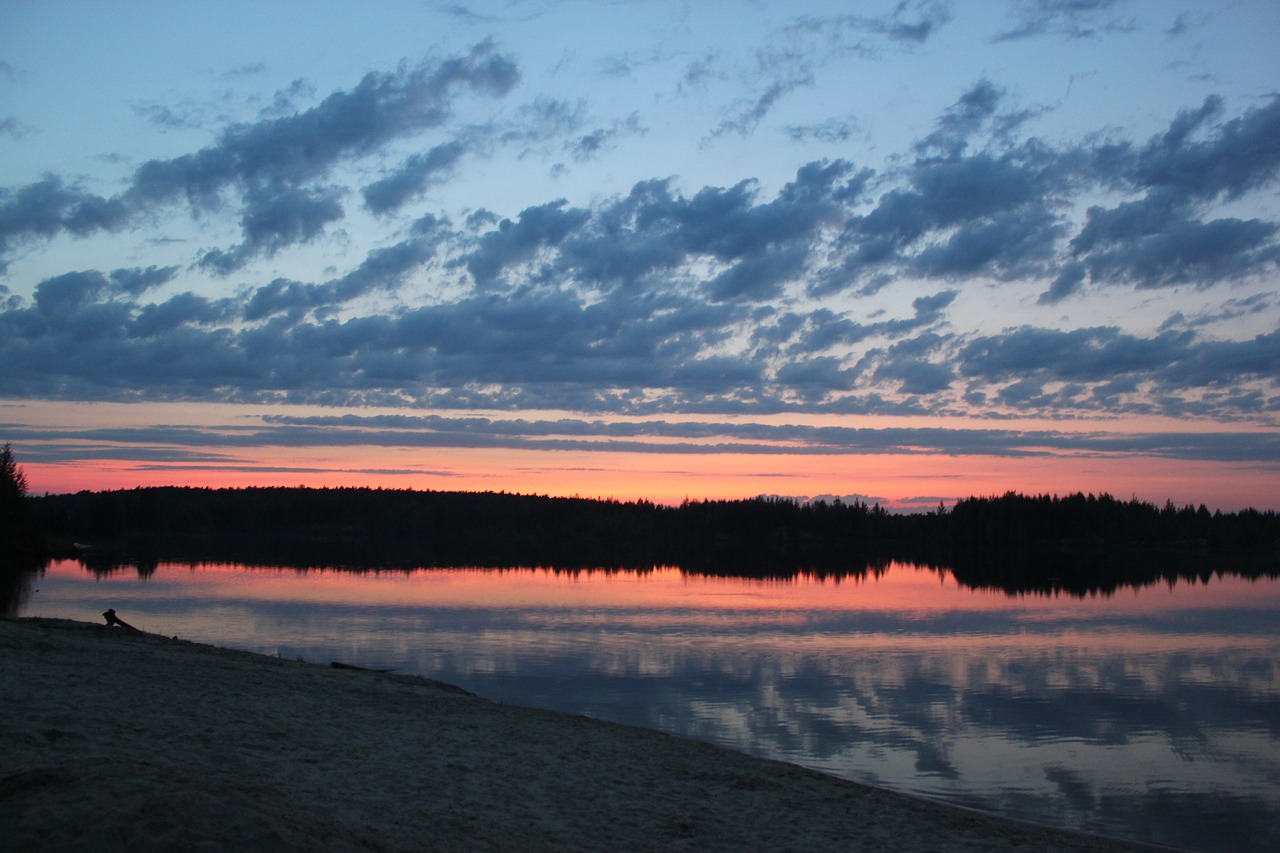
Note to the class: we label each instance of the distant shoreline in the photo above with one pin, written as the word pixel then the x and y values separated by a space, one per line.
pixel 1079 544
pixel 119 740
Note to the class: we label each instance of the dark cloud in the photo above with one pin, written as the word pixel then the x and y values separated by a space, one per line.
pixel 1156 242
pixel 412 178
pixel 1075 19
pixel 1009 245
pixel 513 242
pixel 749 113
pixel 182 115
pixel 912 22
pixel 1236 157
pixel 275 218
pixel 66 293
pixel 11 127
pixel 605 138
pixel 536 123
pixel 183 309
pixel 830 130
pixel 715 300
pixel 1094 354
pixel 661 436
pixel 917 376
pixel 304 146
pixel 997 211
pixel 1230 309
pixel 656 229
pixel 1182 24
pixel 1188 252
pixel 268 164
pixel 700 70
pixel 384 269
pixel 1070 280
pixel 929 15
pixel 963 119
pixel 989 198
pixel 135 281
pixel 758 276
pixel 252 69
pixel 1177 363
pixel 285 101
pixel 48 207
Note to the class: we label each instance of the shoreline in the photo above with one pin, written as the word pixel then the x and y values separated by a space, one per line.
pixel 122 740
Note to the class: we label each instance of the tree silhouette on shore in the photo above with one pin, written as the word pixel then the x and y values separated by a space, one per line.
pixel 1078 543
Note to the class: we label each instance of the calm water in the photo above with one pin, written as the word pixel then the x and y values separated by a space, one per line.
pixel 1153 714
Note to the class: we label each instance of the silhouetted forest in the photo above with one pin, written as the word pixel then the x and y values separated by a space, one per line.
pixel 1078 543
pixel 23 546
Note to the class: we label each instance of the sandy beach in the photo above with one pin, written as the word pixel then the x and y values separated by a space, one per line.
pixel 112 740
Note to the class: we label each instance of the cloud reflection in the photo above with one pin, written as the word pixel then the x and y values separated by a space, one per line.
pixel 1142 715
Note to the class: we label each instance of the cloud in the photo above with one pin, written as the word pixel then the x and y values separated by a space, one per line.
pixel 383 269
pixel 512 242
pixel 963 119
pixel 1236 157
pixel 796 55
pixel 304 146
pixel 11 127
pixel 1092 354
pixel 1181 368
pixel 1189 252
pixel 48 207
pixel 413 177
pixel 912 22
pixel 602 139
pixel 135 281
pixel 651 436
pixel 1009 245
pixel 285 101
pixel 1228 310
pixel 929 16
pixel 68 292
pixel 1070 280
pixel 759 276
pixel 183 309
pixel 759 245
pixel 270 163
pixel 998 210
pixel 723 299
pixel 275 218
pixel 1074 19
pixel 917 376
pixel 989 199
pixel 748 114
pixel 828 130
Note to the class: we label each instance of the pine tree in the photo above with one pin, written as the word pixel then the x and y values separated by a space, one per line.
pixel 20 543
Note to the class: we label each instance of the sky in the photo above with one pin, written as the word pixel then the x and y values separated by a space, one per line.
pixel 899 252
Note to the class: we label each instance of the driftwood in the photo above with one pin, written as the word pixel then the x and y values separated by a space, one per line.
pixel 113 619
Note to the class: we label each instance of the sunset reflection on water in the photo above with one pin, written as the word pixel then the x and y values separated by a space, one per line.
pixel 1153 713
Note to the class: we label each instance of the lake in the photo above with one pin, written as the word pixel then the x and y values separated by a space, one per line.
pixel 1151 714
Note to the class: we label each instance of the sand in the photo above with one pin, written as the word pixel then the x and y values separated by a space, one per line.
pixel 111 740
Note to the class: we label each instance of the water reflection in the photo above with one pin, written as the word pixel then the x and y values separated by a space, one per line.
pixel 1153 714
pixel 15 588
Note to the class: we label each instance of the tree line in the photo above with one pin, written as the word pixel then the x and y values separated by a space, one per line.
pixel 1079 543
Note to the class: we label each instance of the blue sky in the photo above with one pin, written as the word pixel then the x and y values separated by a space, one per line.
pixel 906 251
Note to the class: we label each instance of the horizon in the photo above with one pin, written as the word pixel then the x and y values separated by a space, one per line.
pixel 904 254
pixel 798 500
